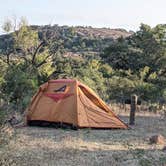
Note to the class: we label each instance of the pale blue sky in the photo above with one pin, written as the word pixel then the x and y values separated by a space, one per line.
pixel 126 14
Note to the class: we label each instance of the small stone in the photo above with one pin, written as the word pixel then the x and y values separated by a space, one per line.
pixel 157 139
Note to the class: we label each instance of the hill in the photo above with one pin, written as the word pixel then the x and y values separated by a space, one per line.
pixel 75 39
pixel 87 32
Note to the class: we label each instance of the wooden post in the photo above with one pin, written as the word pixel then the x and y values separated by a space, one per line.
pixel 133 108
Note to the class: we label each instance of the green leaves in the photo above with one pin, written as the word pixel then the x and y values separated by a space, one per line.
pixel 25 38
pixel 19 84
pixel 139 63
pixel 128 65
pixel 7 26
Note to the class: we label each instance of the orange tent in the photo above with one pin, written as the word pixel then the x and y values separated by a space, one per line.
pixel 69 101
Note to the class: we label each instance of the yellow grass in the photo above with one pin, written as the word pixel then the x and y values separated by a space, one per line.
pixel 49 146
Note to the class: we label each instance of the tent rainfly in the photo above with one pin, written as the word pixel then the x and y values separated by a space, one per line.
pixel 70 102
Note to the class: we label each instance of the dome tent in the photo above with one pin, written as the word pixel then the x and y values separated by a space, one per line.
pixel 71 102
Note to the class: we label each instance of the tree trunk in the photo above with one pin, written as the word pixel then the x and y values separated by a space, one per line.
pixel 36 52
pixel 8 59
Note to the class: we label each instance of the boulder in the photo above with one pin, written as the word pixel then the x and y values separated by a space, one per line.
pixel 157 139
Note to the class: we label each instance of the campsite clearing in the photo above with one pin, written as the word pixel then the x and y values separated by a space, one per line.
pixel 49 146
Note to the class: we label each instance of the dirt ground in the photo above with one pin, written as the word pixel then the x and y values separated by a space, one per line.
pixel 41 146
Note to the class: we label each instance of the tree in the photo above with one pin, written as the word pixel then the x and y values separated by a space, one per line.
pixel 7 27
pixel 120 55
pixel 19 85
pixel 26 44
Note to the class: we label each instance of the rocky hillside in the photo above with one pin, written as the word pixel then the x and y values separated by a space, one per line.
pixel 74 39
pixel 87 32
pixel 103 32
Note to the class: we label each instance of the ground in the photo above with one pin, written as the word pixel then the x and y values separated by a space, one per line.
pixel 41 146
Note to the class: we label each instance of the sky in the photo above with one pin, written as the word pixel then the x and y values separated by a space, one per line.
pixel 127 14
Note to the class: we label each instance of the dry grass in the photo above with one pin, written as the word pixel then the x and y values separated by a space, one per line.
pixel 49 146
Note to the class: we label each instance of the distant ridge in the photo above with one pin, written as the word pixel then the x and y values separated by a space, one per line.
pixel 86 31
pixel 76 40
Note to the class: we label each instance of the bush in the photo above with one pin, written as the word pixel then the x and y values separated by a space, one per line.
pixel 19 85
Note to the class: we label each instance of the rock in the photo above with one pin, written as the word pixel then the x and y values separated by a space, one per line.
pixel 13 120
pixel 157 139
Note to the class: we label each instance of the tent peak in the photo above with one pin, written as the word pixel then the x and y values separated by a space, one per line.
pixel 62 81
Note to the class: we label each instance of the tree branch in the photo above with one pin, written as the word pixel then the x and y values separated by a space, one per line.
pixel 36 51
pixel 44 61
